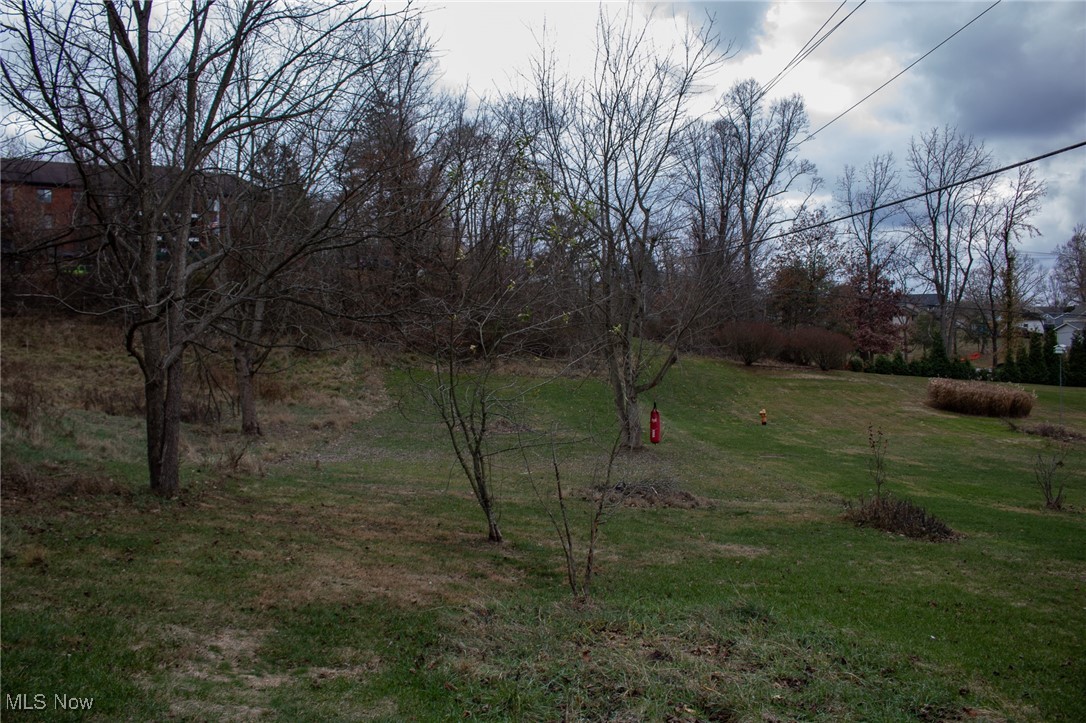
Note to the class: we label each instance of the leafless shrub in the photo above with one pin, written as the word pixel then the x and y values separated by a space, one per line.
pixel 17 478
pixel 1045 468
pixel 30 408
pixel 1049 431
pixel 877 443
pixel 271 389
pixel 234 458
pixel 900 517
pixel 109 401
pixel 822 347
pixel 750 341
pixel 980 398
pixel 578 573
pixel 200 411
pixel 27 403
pixel 21 480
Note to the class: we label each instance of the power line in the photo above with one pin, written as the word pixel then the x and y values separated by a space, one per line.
pixel 809 48
pixel 928 192
pixel 907 68
pixel 802 52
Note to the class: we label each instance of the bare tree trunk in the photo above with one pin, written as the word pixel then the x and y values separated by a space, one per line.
pixel 162 396
pixel 244 373
pixel 630 416
pixel 493 532
pixel 624 388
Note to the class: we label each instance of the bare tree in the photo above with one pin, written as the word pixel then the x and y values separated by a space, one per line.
pixel 1005 280
pixel 871 253
pixel 711 195
pixel 945 225
pixel 804 273
pixel 763 139
pixel 608 146
pixel 484 301
pixel 263 218
pixel 739 175
pixel 143 98
pixel 1070 270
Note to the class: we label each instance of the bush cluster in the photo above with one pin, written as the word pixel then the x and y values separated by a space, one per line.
pixel 984 399
pixel 1035 363
pixel 754 341
pixel 936 363
pixel 900 517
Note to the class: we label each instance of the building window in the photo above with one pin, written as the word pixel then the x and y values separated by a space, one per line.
pixel 47 220
pixel 45 195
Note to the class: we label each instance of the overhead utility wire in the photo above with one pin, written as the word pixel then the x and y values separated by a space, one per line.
pixel 809 48
pixel 796 59
pixel 876 90
pixel 915 196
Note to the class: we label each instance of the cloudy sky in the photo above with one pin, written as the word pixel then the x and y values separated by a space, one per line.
pixel 1014 79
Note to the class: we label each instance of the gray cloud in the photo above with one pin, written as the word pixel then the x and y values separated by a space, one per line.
pixel 1023 74
pixel 737 21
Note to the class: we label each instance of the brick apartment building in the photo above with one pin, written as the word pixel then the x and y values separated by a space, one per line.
pixel 48 235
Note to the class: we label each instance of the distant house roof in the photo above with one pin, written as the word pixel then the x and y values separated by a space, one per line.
pixel 921 301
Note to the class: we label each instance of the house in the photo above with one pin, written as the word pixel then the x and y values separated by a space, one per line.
pixel 1032 324
pixel 1068 324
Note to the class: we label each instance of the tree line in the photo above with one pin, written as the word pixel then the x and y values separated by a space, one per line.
pixel 584 217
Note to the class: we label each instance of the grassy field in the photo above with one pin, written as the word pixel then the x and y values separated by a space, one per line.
pixel 338 569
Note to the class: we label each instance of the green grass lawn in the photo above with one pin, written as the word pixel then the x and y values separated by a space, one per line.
pixel 338 568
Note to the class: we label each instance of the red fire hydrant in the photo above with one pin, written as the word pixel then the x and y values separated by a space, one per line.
pixel 654 425
pixel 762 414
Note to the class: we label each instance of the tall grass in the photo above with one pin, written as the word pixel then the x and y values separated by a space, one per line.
pixel 984 399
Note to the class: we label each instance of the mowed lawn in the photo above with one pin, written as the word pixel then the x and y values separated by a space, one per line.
pixel 338 568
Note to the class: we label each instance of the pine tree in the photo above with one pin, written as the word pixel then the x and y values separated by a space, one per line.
pixel 1074 370
pixel 1035 371
pixel 1051 359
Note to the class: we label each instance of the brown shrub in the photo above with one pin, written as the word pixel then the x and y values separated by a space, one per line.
pixel 271 388
pixel 827 349
pixel 900 517
pixel 23 480
pixel 113 402
pixel 985 399
pixel 1050 431
pixel 750 341
pixel 28 403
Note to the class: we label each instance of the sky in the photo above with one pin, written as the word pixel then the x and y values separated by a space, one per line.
pixel 1015 79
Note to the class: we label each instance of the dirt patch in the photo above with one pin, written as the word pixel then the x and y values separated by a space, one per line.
pixel 225 657
pixel 734 550
pixel 648 492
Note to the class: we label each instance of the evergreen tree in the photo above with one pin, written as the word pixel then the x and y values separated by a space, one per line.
pixel 937 360
pixel 1034 370
pixel 1051 359
pixel 1074 369
pixel 1009 372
